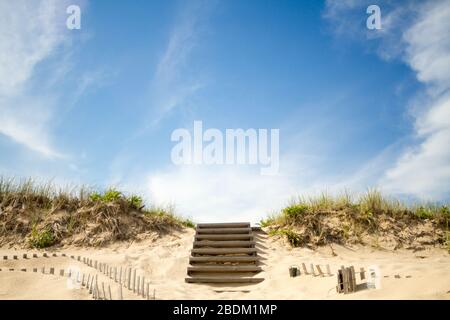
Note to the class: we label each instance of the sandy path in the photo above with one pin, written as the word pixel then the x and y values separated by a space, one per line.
pixel 423 275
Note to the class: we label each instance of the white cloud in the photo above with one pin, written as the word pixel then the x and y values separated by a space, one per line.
pixel 30 32
pixel 220 193
pixel 26 122
pixel 424 169
pixel 428 44
pixel 417 33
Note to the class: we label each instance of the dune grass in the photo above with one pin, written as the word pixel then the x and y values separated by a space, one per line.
pixel 325 218
pixel 46 215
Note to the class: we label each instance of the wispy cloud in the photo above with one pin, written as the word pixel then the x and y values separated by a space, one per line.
pixel 174 82
pixel 30 33
pixel 33 33
pixel 417 33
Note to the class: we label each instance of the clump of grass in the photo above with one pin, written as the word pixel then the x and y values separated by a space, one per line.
pixel 41 238
pixel 295 211
pixel 135 201
pixel 168 212
pixel 112 195
pixel 188 223
pixel 294 238
pixel 424 213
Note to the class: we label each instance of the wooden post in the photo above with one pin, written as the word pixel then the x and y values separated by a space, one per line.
pixel 154 294
pixel 5 257
pixel 24 256
pixel 329 270
pixel 142 287
pixel 129 278
pixel 14 257
pixel 109 289
pixel 138 284
pixel 34 269
pixel 312 270
pixel 304 269
pixel 23 270
pixel 120 292
pixel 148 289
pixel 82 280
pixel 134 280
pixel 120 276
pixel 87 281
pixel 61 272
pixel 95 264
pixel 352 279
pixel 78 258
pixel 362 273
pixel 95 293
pixel 104 293
pixel 43 270
pixel 63 254
pixel 115 274
pixel 34 255
pixel 319 270
pixel 96 286
pixel 54 255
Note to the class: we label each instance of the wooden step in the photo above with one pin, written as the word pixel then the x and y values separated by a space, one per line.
pixel 224 259
pixel 224 237
pixel 224 244
pixel 223 280
pixel 223 230
pixel 224 225
pixel 224 268
pixel 218 251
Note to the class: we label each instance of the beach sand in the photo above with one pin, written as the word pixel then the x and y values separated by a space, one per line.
pixel 163 261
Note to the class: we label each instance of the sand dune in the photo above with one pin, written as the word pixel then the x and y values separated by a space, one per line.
pixel 405 274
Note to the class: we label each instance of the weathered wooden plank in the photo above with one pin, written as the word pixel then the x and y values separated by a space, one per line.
pixel 352 279
pixel 224 225
pixel 226 244
pixel 218 237
pixel 219 251
pixel 223 230
pixel 224 268
pixel 224 259
pixel 223 280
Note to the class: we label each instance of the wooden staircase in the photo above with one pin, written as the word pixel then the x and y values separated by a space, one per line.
pixel 224 253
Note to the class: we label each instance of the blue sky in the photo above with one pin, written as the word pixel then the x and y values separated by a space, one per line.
pixel 356 108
